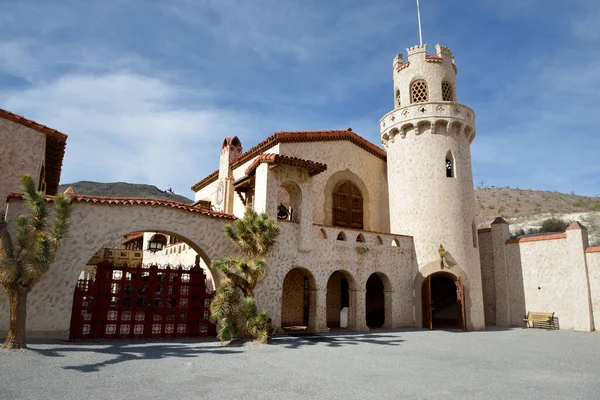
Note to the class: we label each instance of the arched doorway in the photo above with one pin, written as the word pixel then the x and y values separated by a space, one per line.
pixel 297 300
pixel 375 302
pixel 340 300
pixel 443 302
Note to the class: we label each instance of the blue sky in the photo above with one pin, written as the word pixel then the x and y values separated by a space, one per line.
pixel 147 89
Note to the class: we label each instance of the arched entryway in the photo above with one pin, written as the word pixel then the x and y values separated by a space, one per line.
pixel 378 301
pixel 341 300
pixel 443 302
pixel 143 291
pixel 298 300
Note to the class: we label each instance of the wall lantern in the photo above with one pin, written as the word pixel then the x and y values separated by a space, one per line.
pixel 442 253
pixel 156 243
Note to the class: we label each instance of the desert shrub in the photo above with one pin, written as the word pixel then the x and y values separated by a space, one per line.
pixel 553 225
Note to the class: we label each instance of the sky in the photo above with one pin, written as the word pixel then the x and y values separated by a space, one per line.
pixel 148 89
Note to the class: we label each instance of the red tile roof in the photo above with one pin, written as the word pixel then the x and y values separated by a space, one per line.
pixel 298 137
pixel 133 201
pixel 538 238
pixel 594 249
pixel 55 148
pixel 132 236
pixel 313 167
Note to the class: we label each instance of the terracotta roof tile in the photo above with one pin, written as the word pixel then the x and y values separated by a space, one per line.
pixel 298 137
pixel 552 236
pixel 132 236
pixel 594 249
pixel 313 167
pixel 133 201
pixel 55 148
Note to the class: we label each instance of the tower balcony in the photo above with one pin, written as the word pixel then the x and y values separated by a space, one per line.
pixel 442 117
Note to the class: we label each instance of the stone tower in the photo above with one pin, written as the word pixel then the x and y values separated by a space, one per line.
pixel 428 136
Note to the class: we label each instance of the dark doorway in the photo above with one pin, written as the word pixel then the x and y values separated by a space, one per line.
pixel 339 297
pixel 443 302
pixel 296 300
pixel 375 302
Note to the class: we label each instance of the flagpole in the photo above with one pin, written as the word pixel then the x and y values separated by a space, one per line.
pixel 419 18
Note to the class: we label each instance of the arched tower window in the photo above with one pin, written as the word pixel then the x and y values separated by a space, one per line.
pixel 419 92
pixel 450 168
pixel 447 91
pixel 397 98
pixel 347 206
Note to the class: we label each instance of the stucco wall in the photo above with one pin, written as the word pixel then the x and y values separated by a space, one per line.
pixel 329 255
pixel 346 161
pixel 21 152
pixel 487 276
pixel 541 279
pixel 593 264
pixel 93 225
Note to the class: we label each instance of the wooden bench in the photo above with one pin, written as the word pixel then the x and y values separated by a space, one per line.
pixel 544 318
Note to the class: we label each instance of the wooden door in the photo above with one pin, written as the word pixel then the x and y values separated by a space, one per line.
pixel 347 206
pixel 460 299
pixel 426 303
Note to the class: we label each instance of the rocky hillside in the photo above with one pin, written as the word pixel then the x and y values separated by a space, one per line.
pixel 527 209
pixel 123 189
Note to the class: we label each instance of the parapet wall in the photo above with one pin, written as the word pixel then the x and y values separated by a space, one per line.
pixel 546 273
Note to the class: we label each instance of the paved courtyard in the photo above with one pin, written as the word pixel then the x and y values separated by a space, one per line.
pixel 408 364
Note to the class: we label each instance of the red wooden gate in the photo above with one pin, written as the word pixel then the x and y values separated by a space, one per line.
pixel 143 302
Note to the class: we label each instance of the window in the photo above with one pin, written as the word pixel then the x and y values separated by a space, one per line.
pixel 398 102
pixel 447 92
pixel 347 206
pixel 450 173
pixel 474 232
pixel 418 92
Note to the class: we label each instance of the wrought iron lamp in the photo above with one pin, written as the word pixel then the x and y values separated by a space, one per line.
pixel 442 253
pixel 156 243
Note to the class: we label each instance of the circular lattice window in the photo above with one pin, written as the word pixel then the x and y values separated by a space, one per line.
pixel 418 92
pixel 447 91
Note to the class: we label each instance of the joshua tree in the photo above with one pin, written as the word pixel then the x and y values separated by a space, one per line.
pixel 233 305
pixel 25 261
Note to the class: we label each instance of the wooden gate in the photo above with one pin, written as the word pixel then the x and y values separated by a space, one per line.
pixel 143 302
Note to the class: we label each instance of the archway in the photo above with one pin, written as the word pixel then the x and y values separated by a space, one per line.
pixel 341 300
pixel 290 197
pixel 375 302
pixel 131 293
pixel 298 300
pixel 443 301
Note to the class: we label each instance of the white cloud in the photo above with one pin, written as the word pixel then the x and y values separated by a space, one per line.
pixel 130 127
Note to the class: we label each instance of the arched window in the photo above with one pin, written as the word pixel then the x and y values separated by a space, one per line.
pixel 397 98
pixel 347 206
pixel 450 168
pixel 419 92
pixel 447 91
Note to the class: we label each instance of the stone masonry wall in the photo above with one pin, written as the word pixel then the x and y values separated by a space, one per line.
pixel 21 152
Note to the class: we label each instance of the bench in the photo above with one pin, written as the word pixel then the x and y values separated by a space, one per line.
pixel 543 318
